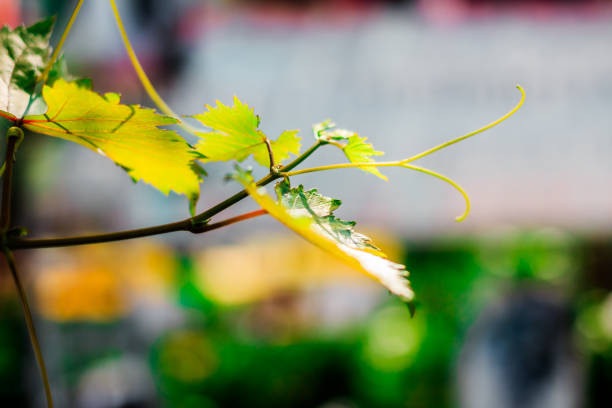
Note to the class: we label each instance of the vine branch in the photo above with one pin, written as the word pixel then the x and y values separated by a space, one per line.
pixel 30 323
pixel 197 224
pixel 14 137
pixel 185 225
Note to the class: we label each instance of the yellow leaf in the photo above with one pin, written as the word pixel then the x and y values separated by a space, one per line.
pixel 368 260
pixel 127 134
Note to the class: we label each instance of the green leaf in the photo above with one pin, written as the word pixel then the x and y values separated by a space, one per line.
pixel 24 52
pixel 354 147
pixel 344 232
pixel 300 203
pixel 358 151
pixel 236 135
pixel 305 203
pixel 127 134
pixel 309 214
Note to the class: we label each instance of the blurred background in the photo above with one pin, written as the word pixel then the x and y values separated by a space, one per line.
pixel 514 305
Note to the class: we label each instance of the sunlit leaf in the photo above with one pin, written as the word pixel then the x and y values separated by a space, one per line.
pixel 236 135
pixel 319 226
pixel 127 134
pixel 24 52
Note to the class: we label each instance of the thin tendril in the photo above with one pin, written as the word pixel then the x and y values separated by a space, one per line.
pixel 449 181
pixel 404 162
pixel 43 76
pixel 144 79
pixel 475 132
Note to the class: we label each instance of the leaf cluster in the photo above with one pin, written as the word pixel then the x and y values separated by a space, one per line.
pixel 38 93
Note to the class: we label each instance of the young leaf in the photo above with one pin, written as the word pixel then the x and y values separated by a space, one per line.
pixel 236 135
pixel 355 148
pixel 127 134
pixel 310 215
pixel 358 151
pixel 24 52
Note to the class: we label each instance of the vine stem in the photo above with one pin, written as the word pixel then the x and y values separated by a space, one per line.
pixel 60 44
pixel 197 224
pixel 7 186
pixel 185 225
pixel 14 137
pixel 30 324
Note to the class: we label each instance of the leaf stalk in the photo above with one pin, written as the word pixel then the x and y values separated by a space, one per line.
pixel 273 168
